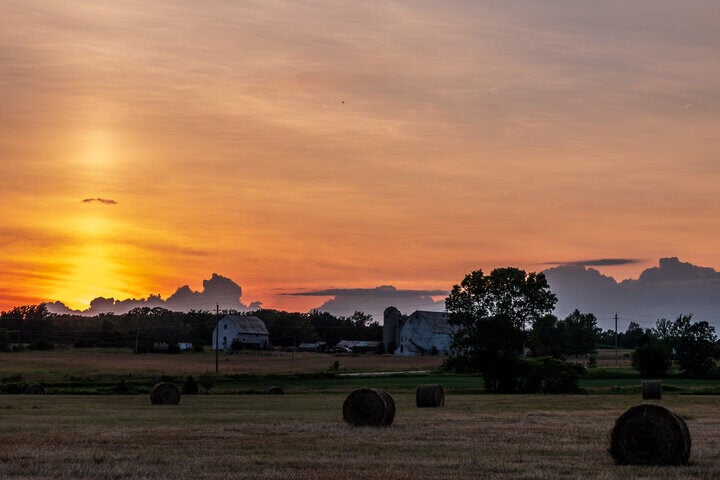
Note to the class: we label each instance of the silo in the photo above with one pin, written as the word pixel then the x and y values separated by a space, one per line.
pixel 391 324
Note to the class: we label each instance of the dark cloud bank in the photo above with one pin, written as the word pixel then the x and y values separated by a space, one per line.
pixel 217 290
pixel 374 301
pixel 672 288
pixel 665 291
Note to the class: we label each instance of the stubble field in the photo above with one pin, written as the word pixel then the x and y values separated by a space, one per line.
pixel 304 437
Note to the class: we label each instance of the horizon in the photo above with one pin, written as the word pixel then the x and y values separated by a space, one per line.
pixel 332 145
pixel 230 295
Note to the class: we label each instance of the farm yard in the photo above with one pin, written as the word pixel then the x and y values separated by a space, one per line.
pixel 304 437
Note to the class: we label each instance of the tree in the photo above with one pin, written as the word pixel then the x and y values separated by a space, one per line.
pixel 652 360
pixel 4 340
pixel 492 313
pixel 545 338
pixel 579 333
pixel 632 335
pixel 692 344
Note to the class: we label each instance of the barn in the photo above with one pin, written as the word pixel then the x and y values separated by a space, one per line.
pixel 420 333
pixel 249 330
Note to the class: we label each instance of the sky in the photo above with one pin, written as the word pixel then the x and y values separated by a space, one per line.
pixel 320 145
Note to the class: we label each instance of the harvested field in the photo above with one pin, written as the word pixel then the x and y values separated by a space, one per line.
pixel 54 364
pixel 303 437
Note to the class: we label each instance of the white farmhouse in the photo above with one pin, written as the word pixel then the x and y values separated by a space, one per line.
pixel 421 333
pixel 249 330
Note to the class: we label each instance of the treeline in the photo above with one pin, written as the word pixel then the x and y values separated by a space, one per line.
pixel 33 327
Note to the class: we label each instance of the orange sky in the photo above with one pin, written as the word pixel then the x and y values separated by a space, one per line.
pixel 304 145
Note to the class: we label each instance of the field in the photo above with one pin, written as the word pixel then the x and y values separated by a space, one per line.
pixel 304 437
pixel 301 435
pixel 54 364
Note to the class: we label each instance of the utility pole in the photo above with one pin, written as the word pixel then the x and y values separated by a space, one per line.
pixel 292 357
pixel 217 335
pixel 616 341
pixel 137 340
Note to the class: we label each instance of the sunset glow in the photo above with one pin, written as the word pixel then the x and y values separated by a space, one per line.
pixel 309 145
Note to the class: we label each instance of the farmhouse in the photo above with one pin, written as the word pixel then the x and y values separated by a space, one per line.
pixel 249 330
pixel 421 333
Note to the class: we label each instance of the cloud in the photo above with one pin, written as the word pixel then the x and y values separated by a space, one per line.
pixel 598 262
pixel 665 291
pixel 374 301
pixel 217 291
pixel 362 292
pixel 106 201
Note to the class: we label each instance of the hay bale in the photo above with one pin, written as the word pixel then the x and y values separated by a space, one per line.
pixel 165 393
pixel 651 390
pixel 429 396
pixel 369 406
pixel 35 389
pixel 275 390
pixel 650 435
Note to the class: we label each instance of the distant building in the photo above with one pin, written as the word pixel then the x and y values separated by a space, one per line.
pixel 164 347
pixel 249 330
pixel 361 346
pixel 421 333
pixel 312 347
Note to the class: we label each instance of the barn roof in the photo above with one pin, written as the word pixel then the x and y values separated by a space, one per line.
pixel 438 321
pixel 248 324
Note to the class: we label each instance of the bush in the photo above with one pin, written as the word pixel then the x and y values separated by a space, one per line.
pixel 41 345
pixel 85 343
pixel 13 384
pixel 550 375
pixel 190 387
pixel 121 387
pixel 197 348
pixel 652 360
pixel 518 375
pixel 207 382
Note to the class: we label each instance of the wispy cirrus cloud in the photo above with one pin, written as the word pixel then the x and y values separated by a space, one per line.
pixel 105 201
pixel 597 262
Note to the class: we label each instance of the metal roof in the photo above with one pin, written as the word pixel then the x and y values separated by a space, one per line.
pixel 438 321
pixel 248 324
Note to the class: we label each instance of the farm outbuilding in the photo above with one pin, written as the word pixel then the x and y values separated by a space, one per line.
pixel 312 347
pixel 360 346
pixel 421 333
pixel 248 330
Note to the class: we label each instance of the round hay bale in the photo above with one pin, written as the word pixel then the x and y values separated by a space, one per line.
pixel 429 396
pixel 369 406
pixel 650 435
pixel 651 390
pixel 275 390
pixel 165 393
pixel 389 405
pixel 35 389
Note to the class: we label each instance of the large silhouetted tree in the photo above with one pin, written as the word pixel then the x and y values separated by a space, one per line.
pixel 492 313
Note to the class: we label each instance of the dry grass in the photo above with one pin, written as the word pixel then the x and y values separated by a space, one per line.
pixel 54 364
pixel 304 437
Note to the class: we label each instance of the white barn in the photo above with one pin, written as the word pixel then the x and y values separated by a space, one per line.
pixel 421 333
pixel 249 330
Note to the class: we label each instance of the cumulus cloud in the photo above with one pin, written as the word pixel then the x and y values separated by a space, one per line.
pixel 665 291
pixel 105 201
pixel 217 290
